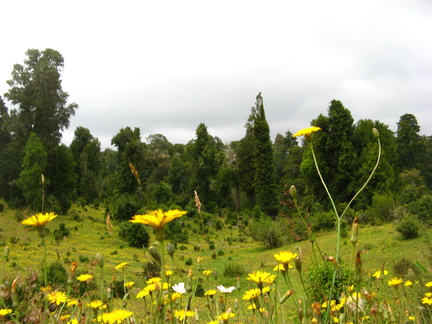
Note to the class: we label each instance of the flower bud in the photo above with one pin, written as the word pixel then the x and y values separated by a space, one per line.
pixel 6 254
pixel 100 260
pixel 170 249
pixel 155 254
pixel 293 191
pixel 375 132
pixel 298 264
pixel 286 296
pixel 354 231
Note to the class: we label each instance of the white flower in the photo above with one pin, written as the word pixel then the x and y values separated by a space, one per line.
pixel 225 290
pixel 179 288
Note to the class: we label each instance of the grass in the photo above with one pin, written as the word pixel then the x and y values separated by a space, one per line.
pixel 381 245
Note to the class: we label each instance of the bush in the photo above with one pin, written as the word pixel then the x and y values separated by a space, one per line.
pixel 381 210
pixel 269 232
pixel 422 207
pixel 134 234
pixel 125 207
pixel 233 270
pixel 61 233
pixel 403 265
pixel 324 221
pixel 176 232
pixel 409 227
pixel 2 207
pixel 56 274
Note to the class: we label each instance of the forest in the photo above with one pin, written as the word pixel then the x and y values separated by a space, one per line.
pixel 245 179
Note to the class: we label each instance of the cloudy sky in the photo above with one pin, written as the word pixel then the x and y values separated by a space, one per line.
pixel 166 66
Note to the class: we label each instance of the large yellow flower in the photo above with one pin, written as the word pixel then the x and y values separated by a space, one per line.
pixel 259 276
pixel 115 317
pixel 252 294
pixel 85 277
pixel 97 304
pixel 307 132
pixel 182 314
pixel 285 258
pixel 4 311
pixel 158 219
pixel 57 297
pixel 39 220
pixel 225 316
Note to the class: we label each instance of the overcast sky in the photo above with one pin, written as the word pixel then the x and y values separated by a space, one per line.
pixel 166 66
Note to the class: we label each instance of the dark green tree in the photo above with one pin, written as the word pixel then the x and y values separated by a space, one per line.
pixel 335 154
pixel 409 142
pixel 33 168
pixel 5 157
pixel 130 149
pixel 264 179
pixel 36 90
pixel 203 151
pixel 87 156
pixel 159 155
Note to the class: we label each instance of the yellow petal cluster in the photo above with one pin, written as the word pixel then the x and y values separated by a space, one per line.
pixel 39 220
pixel 157 218
pixel 306 131
pixel 116 316
pixel 57 297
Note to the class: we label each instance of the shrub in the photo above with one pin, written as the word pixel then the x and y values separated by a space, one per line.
pixel 56 274
pixel 324 221
pixel 61 233
pixel 188 262
pixel 125 207
pixel 2 207
pixel 271 233
pixel 233 270
pixel 403 265
pixel 176 232
pixel 422 208
pixel 381 210
pixel 134 234
pixel 409 227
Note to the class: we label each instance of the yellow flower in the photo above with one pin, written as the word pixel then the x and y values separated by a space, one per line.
pixel 394 282
pixel 307 132
pixel 154 280
pixel 72 321
pixel 120 266
pixel 168 273
pixel 129 284
pixel 252 294
pixel 429 284
pixel 408 283
pixel 85 277
pixel 182 314
pixel 57 297
pixel 379 274
pixel 158 219
pixel 285 257
pixel 143 293
pixel 97 304
pixel 427 300
pixel 207 272
pixel 258 276
pixel 39 220
pixel 428 294
pixel 225 316
pixel 175 296
pixel 116 316
pixel 4 311
pixel 72 302
pixel 210 292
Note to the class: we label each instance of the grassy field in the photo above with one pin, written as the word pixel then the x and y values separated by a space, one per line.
pixel 89 235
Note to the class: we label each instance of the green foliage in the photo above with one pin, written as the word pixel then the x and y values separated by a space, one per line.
pixel 324 221
pixel 422 208
pixel 381 210
pixel 34 164
pixel 176 232
pixel 319 280
pixel 61 232
pixel 56 274
pixel 126 206
pixel 410 146
pixel 403 267
pixel 409 227
pixel 134 234
pixel 271 233
pixel 233 270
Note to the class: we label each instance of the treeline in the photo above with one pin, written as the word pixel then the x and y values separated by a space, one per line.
pixel 250 176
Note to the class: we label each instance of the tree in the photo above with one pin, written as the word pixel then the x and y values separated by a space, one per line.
pixel 42 103
pixel 30 179
pixel 205 165
pixel 87 156
pixel 5 157
pixel 409 142
pixel 264 180
pixel 335 154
